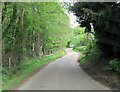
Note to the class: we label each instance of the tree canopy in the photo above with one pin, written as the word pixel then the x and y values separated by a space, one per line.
pixel 32 30
pixel 105 18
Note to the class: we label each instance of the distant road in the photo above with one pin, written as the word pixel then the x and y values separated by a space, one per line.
pixel 62 74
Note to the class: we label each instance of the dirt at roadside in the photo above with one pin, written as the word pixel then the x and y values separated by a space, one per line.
pixel 98 73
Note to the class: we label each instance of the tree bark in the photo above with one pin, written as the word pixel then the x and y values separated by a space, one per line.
pixel 22 17
pixel 1 33
pixel 21 40
pixel 2 3
pixel 9 65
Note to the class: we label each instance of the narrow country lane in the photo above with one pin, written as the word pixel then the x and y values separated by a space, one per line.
pixel 62 74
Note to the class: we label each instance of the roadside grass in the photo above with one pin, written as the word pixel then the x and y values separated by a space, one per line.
pixel 12 80
pixel 81 50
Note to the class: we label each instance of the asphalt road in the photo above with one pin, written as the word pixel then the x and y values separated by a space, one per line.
pixel 62 74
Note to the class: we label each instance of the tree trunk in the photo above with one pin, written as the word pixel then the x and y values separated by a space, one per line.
pixel 21 19
pixel 9 65
pixel 20 29
pixel 1 32
pixel 2 3
pixel 33 49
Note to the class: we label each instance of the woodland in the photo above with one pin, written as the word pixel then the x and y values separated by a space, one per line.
pixel 100 37
pixel 34 31
pixel 30 31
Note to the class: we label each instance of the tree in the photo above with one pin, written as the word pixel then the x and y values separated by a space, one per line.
pixel 105 19
pixel 32 30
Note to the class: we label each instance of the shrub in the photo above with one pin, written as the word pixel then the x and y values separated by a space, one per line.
pixel 113 65
pixel 81 48
pixel 94 54
pixel 83 58
pixel 4 70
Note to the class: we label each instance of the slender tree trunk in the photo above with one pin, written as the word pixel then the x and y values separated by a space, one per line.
pixel 9 65
pixel 20 27
pixel 1 8
pixel 21 19
pixel 33 47
pixel 2 3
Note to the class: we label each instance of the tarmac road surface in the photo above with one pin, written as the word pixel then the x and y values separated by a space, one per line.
pixel 62 74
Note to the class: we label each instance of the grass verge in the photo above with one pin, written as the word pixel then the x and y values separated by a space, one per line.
pixel 82 58
pixel 13 79
pixel 82 51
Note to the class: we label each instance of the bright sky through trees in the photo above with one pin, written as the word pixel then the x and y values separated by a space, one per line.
pixel 73 21
pixel 72 17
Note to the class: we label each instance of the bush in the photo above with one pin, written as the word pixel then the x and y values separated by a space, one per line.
pixel 113 65
pixel 81 48
pixel 83 58
pixel 94 54
pixel 4 70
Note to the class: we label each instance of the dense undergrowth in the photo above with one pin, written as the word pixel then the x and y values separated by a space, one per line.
pixel 105 20
pixel 91 50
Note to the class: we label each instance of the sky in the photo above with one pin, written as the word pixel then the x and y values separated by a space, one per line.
pixel 73 21
pixel 73 18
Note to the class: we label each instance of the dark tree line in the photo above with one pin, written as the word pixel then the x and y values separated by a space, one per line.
pixel 105 18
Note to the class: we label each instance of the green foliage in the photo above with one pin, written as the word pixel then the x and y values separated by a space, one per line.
pixel 81 48
pixel 78 38
pixel 113 65
pixel 4 70
pixel 31 30
pixel 83 58
pixel 105 20
pixel 94 54
pixel 85 43
pixel 10 80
